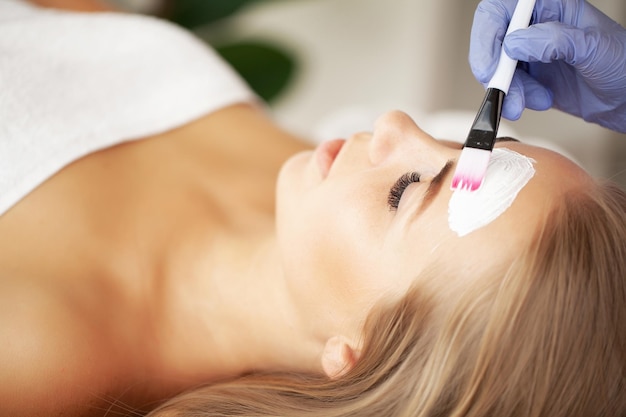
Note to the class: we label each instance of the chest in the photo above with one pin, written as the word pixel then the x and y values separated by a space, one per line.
pixel 85 254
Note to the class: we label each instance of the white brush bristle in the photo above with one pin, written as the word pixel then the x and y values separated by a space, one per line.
pixel 470 169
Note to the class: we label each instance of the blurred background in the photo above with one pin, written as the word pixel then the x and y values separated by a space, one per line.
pixel 330 67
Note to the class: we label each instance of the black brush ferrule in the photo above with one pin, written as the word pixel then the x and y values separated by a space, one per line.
pixel 485 126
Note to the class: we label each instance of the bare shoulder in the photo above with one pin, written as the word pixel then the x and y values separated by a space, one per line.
pixel 48 355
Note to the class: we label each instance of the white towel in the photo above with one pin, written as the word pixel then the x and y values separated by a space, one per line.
pixel 73 83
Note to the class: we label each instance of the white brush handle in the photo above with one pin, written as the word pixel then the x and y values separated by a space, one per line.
pixel 506 65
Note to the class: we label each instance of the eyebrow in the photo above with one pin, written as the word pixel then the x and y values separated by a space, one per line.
pixel 435 184
pixel 434 187
pixel 506 139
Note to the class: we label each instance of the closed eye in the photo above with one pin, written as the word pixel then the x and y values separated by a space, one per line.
pixel 396 191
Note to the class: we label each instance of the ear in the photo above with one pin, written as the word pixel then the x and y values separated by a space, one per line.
pixel 338 357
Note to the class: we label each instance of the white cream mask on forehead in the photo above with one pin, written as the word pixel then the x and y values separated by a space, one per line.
pixel 507 173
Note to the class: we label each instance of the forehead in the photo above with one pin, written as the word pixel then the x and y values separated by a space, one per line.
pixel 500 241
pixel 555 174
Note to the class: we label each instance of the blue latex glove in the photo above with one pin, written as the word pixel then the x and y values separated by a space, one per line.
pixel 573 58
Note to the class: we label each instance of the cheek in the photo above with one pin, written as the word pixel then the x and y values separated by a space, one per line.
pixel 332 238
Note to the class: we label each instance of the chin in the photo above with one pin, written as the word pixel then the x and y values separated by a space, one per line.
pixel 295 175
pixel 290 185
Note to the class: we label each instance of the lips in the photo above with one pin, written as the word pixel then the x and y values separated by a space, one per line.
pixel 326 153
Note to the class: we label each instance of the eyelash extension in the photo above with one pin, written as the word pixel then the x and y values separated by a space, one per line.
pixel 396 191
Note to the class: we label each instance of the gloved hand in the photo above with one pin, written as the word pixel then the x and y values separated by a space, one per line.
pixel 572 57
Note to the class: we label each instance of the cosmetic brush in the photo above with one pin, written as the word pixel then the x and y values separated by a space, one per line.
pixel 472 164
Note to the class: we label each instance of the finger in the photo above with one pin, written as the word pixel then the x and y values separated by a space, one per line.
pixel 536 96
pixel 547 42
pixel 514 101
pixel 490 22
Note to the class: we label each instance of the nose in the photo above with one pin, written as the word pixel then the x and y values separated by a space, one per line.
pixel 397 137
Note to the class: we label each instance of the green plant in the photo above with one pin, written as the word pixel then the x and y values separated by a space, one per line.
pixel 267 67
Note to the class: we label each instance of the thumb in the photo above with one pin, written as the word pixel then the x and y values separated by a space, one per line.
pixel 548 42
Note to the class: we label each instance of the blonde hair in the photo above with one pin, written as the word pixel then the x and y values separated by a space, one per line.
pixel 546 338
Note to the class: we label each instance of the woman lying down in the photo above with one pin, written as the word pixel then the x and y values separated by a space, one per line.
pixel 166 248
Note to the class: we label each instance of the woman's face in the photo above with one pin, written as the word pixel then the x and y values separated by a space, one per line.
pixel 345 245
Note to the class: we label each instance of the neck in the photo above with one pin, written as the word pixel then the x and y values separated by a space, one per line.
pixel 234 315
pixel 224 309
